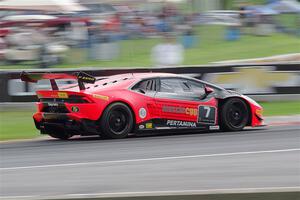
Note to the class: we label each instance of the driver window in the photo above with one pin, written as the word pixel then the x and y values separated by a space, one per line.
pixel 179 86
pixel 182 88
pixel 197 88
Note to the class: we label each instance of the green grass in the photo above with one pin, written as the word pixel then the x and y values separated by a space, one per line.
pixel 19 125
pixel 281 108
pixel 210 47
pixel 234 4
pixel 288 20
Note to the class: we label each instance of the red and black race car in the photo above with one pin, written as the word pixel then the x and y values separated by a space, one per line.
pixel 115 106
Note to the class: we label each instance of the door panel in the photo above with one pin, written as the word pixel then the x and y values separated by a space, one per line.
pixel 176 109
pixel 182 99
pixel 196 111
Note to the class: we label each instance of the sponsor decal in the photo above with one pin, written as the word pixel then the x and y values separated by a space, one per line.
pixel 142 113
pixel 53 104
pixel 86 78
pixel 180 110
pixel 149 125
pixel 141 126
pixel 181 123
pixel 207 114
pixel 98 96
pixel 75 109
pixel 214 127
pixel 62 95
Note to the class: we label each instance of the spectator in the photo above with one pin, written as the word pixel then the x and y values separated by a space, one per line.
pixel 79 34
pixel 2 48
pixel 169 53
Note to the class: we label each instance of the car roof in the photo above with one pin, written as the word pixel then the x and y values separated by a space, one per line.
pixel 170 75
pixel 123 80
pixel 141 75
pixel 155 74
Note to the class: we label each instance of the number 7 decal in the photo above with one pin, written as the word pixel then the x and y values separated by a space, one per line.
pixel 207 109
pixel 207 115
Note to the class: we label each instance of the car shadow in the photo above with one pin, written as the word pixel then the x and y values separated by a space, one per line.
pixel 158 134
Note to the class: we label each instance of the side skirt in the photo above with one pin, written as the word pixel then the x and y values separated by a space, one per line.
pixel 169 125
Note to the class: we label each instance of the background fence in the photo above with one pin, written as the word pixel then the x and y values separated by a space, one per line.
pixel 279 81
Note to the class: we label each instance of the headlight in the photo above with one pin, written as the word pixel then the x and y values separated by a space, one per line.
pixel 259 113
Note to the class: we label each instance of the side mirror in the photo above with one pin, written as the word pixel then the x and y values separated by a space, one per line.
pixel 208 90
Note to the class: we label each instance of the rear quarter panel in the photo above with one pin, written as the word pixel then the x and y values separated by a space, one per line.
pixel 134 100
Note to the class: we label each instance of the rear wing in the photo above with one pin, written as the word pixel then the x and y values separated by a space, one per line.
pixel 80 76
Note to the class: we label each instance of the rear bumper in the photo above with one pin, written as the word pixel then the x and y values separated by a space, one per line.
pixel 64 122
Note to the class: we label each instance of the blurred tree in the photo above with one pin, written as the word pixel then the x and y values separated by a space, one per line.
pixel 227 4
pixel 234 4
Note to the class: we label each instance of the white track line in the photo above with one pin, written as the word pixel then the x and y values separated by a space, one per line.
pixel 185 192
pixel 150 159
pixel 160 193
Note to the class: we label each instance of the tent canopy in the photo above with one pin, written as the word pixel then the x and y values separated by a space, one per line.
pixel 49 5
pixel 263 10
pixel 285 6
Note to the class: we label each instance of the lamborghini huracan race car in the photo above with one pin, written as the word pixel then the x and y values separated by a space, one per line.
pixel 117 105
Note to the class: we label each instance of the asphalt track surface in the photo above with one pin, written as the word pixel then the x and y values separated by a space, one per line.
pixel 257 159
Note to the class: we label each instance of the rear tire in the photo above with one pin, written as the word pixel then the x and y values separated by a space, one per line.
pixel 116 121
pixel 234 115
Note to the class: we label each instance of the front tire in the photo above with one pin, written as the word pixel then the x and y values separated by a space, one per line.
pixel 234 115
pixel 116 121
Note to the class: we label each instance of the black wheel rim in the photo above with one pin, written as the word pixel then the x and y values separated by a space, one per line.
pixel 118 121
pixel 236 114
